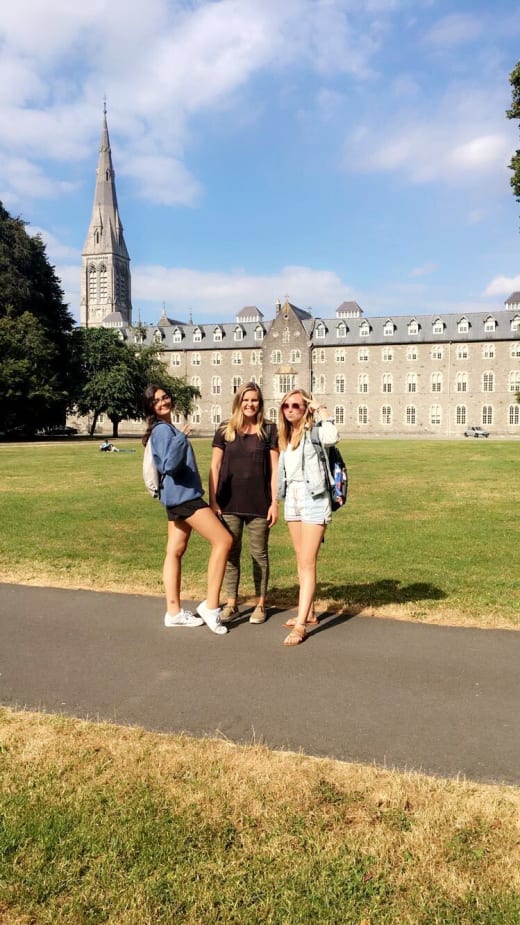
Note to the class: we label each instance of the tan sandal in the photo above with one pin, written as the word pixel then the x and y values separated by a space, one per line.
pixel 296 636
pixel 292 622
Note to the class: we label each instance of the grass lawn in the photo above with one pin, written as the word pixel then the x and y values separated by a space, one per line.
pixel 427 533
pixel 103 824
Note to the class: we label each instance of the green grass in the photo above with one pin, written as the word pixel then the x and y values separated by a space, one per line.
pixel 100 824
pixel 427 533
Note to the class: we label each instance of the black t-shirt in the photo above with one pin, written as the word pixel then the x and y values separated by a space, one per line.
pixel 244 485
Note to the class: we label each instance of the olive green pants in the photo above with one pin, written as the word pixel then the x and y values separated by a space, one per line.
pixel 258 535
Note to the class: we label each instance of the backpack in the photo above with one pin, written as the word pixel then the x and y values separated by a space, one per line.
pixel 334 469
pixel 153 479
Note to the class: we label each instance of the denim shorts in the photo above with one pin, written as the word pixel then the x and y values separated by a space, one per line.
pixel 300 505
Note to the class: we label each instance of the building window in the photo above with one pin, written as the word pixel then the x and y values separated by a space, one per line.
pixel 463 326
pixel 462 352
pixel 488 352
pixel 175 359
pixel 92 284
pixel 216 385
pixel 363 383
pixel 238 333
pixel 387 354
pixel 319 331
pixel 489 325
pixel 286 336
pixel 216 415
pixel 488 382
pixel 276 357
pixel 411 382
pixel 340 355
pixel 364 329
pixel 435 415
pixel 461 416
pixel 236 358
pixel 177 336
pixel 339 384
pixel 195 382
pixel 195 359
pixel 411 414
pixel 272 414
pixel 235 384
pixel 362 414
pixel 438 326
pixel 103 283
pixel 514 414
pixel 388 330
pixel 487 414
pixel 216 358
pixel 318 356
pixel 296 356
pixel 285 383
pixel 319 384
pixel 341 329
pixel 196 415
pixel 411 353
pixel 339 414
pixel 197 336
pixel 217 335
pixel 413 328
pixel 362 355
pixel 437 353
pixel 462 382
pixel 515 324
pixel 436 382
pixel 515 350
pixel 157 338
pixel 387 382
pixel 255 357
pixel 514 381
pixel 259 332
pixel 386 415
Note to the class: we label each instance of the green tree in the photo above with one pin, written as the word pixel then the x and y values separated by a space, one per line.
pixel 514 113
pixel 113 375
pixel 35 332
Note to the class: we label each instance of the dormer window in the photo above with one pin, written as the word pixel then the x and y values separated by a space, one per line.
pixel 238 333
pixel 438 326
pixel 177 336
pixel 197 335
pixel 389 328
pixel 413 327
pixel 157 338
pixel 364 329
pixel 489 325
pixel 319 330
pixel 259 332
pixel 515 324
pixel 463 326
pixel 217 334
pixel 341 329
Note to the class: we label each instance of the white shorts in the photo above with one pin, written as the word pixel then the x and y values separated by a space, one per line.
pixel 300 505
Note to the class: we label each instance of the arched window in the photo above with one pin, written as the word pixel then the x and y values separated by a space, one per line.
pixel 411 414
pixel 435 415
pixel 387 382
pixel 319 330
pixel 195 382
pixel 216 385
pixel 488 382
pixel 339 414
pixel 276 357
pixel 514 414
pixel 236 382
pixel 216 358
pixel 462 382
pixel 339 385
pixel 436 382
pixel 175 359
pixel 461 414
pixel 363 382
pixel 487 414
pixel 362 414
pixel 195 359
pixel 296 356
pixel 514 381
pixel 386 415
pixel 341 329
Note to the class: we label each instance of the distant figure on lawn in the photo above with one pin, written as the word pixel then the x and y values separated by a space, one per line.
pixel 181 493
pixel 242 491
pixel 107 447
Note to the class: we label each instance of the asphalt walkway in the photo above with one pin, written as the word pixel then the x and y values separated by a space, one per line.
pixel 442 700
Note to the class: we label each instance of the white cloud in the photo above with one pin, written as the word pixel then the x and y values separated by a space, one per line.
pixel 455 29
pixel 222 295
pixel 425 270
pixel 503 285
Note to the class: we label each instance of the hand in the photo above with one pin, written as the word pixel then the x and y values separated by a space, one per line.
pixel 186 429
pixel 272 515
pixel 215 508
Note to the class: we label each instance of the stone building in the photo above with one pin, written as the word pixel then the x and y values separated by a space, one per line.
pixel 399 375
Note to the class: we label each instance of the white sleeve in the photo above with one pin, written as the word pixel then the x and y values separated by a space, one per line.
pixel 328 433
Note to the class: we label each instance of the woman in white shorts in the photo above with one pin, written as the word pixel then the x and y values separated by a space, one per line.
pixel 302 485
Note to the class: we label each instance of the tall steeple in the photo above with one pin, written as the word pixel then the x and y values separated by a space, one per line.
pixel 105 280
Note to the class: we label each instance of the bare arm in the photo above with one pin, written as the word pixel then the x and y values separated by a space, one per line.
pixel 217 456
pixel 272 513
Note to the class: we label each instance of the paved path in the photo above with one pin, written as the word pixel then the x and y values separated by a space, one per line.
pixel 437 699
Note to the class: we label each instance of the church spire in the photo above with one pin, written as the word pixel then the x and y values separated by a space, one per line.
pixel 105 292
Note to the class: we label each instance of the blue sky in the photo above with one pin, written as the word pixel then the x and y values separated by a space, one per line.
pixel 324 150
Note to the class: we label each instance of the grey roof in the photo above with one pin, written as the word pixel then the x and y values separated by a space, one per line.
pixel 514 299
pixel 114 318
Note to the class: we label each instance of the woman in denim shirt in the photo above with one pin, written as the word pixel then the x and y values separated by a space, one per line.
pixel 302 485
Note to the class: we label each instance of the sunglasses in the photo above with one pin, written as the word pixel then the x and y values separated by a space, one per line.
pixel 292 406
pixel 159 398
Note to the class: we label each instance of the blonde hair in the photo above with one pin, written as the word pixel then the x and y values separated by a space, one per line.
pixel 235 425
pixel 286 432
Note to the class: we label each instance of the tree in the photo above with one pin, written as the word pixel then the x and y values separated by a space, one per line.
pixel 113 375
pixel 35 331
pixel 514 113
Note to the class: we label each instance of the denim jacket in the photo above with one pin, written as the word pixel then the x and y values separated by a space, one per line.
pixel 312 471
pixel 173 455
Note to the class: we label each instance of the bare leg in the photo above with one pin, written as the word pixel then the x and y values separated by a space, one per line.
pixel 306 539
pixel 207 525
pixel 178 535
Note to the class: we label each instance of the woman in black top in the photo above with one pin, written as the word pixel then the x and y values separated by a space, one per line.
pixel 242 490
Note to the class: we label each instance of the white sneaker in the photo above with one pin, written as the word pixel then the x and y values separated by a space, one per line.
pixel 183 618
pixel 211 618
